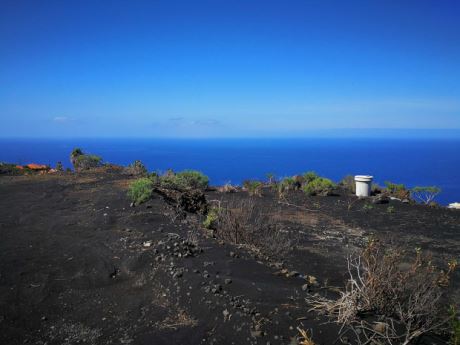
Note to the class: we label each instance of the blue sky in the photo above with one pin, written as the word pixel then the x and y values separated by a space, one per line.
pixel 227 68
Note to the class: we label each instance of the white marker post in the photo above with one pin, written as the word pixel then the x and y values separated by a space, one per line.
pixel 363 185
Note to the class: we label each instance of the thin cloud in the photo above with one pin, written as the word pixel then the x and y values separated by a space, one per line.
pixel 61 119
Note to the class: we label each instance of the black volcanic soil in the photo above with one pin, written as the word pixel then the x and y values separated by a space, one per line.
pixel 78 265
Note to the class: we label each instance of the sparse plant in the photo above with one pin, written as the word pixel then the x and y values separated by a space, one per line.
pixel 368 207
pixel 254 188
pixel 397 190
pixel 387 301
pixel 243 223
pixel 59 167
pixel 271 177
pixel 137 168
pixel 348 182
pixel 425 194
pixel 74 154
pixel 212 218
pixel 287 184
pixel 305 339
pixel 319 186
pixel 227 188
pixel 390 209
pixel 140 190
pixel 82 161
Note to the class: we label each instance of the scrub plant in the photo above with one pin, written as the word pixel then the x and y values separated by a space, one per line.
pixel 426 194
pixel 388 300
pixel 397 190
pixel 254 188
pixel 187 179
pixel 140 190
pixel 319 186
pixel 82 161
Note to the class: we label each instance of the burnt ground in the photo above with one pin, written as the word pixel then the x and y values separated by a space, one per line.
pixel 78 265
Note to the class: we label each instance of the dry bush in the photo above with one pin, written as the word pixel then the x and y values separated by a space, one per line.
pixel 242 222
pixel 386 300
pixel 305 339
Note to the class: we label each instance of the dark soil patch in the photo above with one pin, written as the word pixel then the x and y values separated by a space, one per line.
pixel 78 265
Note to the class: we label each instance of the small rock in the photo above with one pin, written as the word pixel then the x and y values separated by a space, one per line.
pixel 147 244
pixel 227 281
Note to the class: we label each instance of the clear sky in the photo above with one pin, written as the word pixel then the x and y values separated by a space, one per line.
pixel 227 68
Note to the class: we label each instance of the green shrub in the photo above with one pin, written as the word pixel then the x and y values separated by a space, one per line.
pixel 254 188
pixel 425 195
pixel 81 161
pixel 397 190
pixel 187 179
pixel 140 190
pixel 211 219
pixel 310 176
pixel 85 162
pixel 368 207
pixel 59 167
pixel 319 186
pixel 287 184
pixel 193 179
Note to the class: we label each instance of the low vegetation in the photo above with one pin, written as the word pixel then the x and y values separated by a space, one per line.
pixel 397 190
pixel 387 300
pixel 137 168
pixel 140 190
pixel 184 180
pixel 82 161
pixel 242 223
pixel 254 188
pixel 425 195
pixel 319 186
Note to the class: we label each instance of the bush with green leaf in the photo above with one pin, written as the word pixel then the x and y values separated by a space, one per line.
pixel 187 179
pixel 397 190
pixel 82 161
pixel 319 186
pixel 137 168
pixel 425 194
pixel 140 190
pixel 212 218
pixel 309 176
pixel 287 184
pixel 253 187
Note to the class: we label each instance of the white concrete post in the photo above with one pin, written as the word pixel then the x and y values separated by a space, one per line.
pixel 363 185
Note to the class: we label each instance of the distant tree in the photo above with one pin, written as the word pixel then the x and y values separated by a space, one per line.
pixel 75 153
pixel 270 177
pixel 425 194
pixel 59 166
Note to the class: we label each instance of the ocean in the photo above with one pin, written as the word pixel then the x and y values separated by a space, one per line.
pixel 414 162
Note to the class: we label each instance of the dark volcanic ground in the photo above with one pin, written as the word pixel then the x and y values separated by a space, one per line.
pixel 79 266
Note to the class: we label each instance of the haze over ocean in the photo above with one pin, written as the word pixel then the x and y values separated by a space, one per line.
pixel 430 161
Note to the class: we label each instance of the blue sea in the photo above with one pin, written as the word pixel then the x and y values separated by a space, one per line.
pixel 409 161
